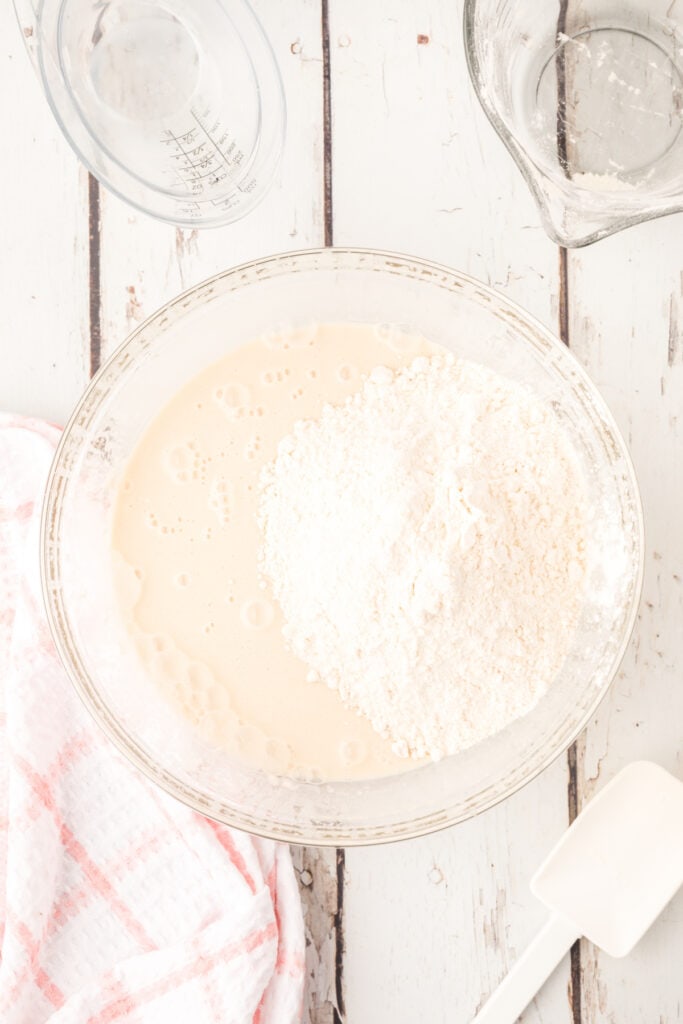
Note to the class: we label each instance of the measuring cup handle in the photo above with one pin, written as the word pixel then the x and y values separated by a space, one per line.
pixel 532 969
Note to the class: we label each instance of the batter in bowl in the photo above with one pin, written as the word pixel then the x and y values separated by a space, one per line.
pixel 186 543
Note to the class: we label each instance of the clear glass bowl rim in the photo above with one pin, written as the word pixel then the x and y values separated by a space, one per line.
pixel 430 821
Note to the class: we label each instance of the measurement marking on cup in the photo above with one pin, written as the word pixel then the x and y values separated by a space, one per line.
pixel 183 170
pixel 194 157
pixel 236 159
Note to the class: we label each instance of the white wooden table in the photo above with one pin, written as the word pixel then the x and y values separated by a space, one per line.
pixel 387 147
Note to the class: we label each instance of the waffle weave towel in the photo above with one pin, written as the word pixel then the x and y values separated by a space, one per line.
pixel 118 905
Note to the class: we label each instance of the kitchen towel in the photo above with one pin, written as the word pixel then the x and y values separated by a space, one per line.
pixel 118 905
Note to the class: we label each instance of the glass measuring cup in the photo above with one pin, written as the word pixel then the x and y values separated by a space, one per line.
pixel 588 97
pixel 175 105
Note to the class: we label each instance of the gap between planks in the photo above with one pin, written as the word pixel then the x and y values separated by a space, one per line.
pixel 94 274
pixel 574 990
pixel 327 126
pixel 328 237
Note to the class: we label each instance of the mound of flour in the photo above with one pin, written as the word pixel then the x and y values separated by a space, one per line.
pixel 425 541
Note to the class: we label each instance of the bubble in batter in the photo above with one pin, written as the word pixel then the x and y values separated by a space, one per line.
pixel 258 614
pixel 346 373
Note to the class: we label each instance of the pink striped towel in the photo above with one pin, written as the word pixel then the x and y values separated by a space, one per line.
pixel 117 904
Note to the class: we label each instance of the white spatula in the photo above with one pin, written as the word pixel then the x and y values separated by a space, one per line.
pixel 608 878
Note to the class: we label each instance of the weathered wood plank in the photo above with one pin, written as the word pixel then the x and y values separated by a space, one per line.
pixel 145 262
pixel 417 167
pixel 431 926
pixel 626 327
pixel 44 254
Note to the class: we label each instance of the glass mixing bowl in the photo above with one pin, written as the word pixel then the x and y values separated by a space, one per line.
pixel 176 343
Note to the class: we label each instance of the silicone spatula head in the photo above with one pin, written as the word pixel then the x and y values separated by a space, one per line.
pixel 620 863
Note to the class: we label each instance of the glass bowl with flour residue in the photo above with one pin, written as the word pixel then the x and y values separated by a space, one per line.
pixel 432 322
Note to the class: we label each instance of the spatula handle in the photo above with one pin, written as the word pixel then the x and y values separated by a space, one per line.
pixel 532 969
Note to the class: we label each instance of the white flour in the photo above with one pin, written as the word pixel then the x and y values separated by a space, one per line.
pixel 602 182
pixel 425 541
